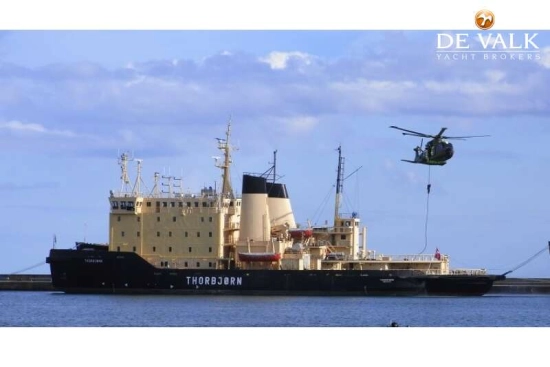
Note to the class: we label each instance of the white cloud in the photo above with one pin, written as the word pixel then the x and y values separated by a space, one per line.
pixel 474 87
pixel 301 124
pixel 544 57
pixel 495 76
pixel 279 60
pixel 32 128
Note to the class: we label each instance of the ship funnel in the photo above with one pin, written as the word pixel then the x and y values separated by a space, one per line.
pixel 255 222
pixel 280 210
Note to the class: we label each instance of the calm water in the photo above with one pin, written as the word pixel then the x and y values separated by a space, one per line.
pixel 45 309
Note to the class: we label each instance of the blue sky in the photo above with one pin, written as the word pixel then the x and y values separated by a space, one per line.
pixel 71 101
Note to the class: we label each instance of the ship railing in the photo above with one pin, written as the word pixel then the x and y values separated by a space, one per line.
pixel 418 258
pixel 468 272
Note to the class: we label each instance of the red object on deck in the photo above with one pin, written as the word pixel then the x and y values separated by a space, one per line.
pixel 437 254
pixel 259 256
pixel 298 234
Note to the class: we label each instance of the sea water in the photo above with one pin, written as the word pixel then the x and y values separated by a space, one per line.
pixel 53 309
pixel 41 328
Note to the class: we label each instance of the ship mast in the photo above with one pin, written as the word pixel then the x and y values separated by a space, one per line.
pixel 125 179
pixel 137 184
pixel 339 184
pixel 223 144
pixel 274 166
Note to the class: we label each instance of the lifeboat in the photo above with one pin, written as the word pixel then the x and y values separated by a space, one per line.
pixel 259 256
pixel 299 234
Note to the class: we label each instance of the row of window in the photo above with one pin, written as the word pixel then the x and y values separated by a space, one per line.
pixel 125 205
pixel 180 204
pixel 169 249
pixel 174 219
pixel 186 234
pixel 165 204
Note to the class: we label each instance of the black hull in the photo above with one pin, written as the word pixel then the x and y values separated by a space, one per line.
pixel 104 272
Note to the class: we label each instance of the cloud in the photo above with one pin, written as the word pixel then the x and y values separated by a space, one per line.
pixel 279 60
pixel 31 128
pixel 301 124
pixel 544 57
pixel 156 103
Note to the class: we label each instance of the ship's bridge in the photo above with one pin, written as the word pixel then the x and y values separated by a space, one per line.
pixel 126 204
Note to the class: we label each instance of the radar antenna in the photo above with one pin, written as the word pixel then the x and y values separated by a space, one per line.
pixel 124 178
pixel 226 147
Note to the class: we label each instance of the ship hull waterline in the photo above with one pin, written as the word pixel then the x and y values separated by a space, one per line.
pixel 105 272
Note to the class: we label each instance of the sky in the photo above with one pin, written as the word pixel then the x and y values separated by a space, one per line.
pixel 72 101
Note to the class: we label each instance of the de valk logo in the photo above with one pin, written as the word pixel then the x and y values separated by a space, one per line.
pixel 487 45
pixel 485 19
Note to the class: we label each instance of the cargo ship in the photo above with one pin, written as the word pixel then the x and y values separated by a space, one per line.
pixel 217 242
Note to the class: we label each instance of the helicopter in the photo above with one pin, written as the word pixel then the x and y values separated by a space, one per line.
pixel 437 151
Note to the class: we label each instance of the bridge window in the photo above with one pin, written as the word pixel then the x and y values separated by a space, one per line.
pixel 230 203
pixel 158 219
pixel 198 234
pixel 115 204
pixel 173 219
pixel 204 204
pixel 343 237
pixel 118 248
pixel 164 204
pixel 188 204
pixel 158 234
pixel 138 234
pixel 172 204
pixel 190 249
pixel 186 234
pixel 196 204
pixel 170 249
pixel 198 264
pixel 209 234
pixel 209 264
pixel 158 204
pixel 210 219
pixel 139 219
pixel 185 264
pixel 169 234
pixel 202 219
pixel 210 249
pixel 154 249
pixel 134 248
pixel 122 233
pixel 118 219
pixel 181 204
pixel 149 204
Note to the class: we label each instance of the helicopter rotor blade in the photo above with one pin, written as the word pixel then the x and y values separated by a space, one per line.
pixel 465 137
pixel 440 135
pixel 411 132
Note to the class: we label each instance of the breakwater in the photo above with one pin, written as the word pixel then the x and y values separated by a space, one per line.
pixel 26 282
